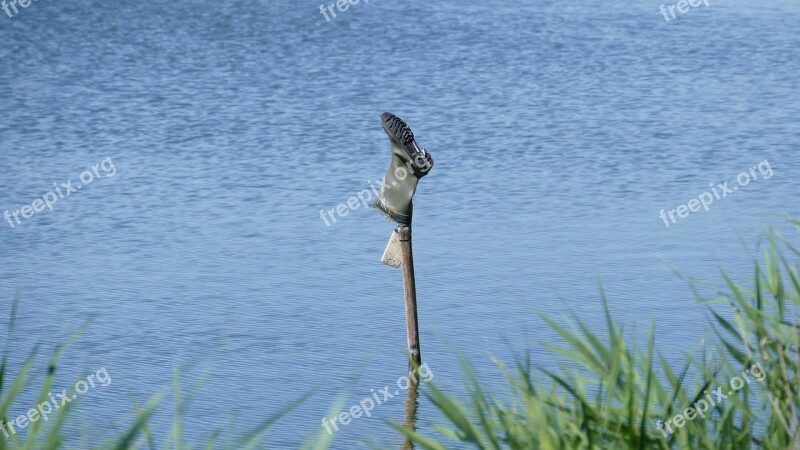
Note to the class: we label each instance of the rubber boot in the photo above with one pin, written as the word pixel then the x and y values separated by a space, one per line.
pixel 409 163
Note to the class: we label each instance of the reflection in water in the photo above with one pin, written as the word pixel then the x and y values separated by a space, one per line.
pixel 412 403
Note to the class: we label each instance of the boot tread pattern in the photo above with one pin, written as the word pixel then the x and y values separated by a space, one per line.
pixel 399 128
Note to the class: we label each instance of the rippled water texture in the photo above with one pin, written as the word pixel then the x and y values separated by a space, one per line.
pixel 559 130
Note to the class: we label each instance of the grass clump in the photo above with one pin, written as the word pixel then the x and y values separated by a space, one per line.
pixel 621 396
pixel 52 434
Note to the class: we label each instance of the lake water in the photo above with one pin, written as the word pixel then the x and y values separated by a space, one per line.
pixel 559 131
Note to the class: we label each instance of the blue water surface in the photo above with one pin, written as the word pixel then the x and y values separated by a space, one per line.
pixel 559 131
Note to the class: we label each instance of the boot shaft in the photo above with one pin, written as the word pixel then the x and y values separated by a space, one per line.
pixel 409 163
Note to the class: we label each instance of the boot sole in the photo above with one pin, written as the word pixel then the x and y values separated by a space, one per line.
pixel 398 130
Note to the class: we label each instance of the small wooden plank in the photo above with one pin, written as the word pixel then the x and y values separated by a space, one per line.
pixel 392 256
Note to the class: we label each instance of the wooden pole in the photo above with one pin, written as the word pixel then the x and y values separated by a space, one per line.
pixel 410 288
pixel 412 403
